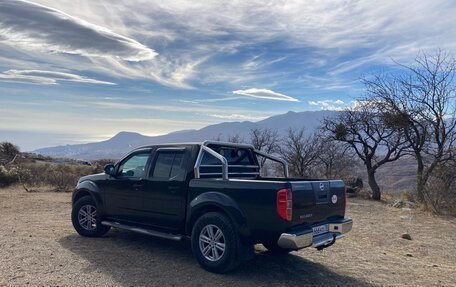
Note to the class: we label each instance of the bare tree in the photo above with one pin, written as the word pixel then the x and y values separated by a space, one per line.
pixel 8 152
pixel 335 159
pixel 266 140
pixel 218 138
pixel 365 131
pixel 300 151
pixel 235 139
pixel 421 102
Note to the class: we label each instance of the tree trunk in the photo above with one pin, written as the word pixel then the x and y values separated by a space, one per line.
pixel 376 195
pixel 420 182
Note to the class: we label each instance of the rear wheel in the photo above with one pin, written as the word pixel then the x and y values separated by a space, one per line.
pixel 85 219
pixel 215 243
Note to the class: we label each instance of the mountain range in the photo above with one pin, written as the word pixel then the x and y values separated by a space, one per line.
pixel 121 143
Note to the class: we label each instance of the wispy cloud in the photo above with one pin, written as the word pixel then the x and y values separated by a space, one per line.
pixel 199 109
pixel 240 117
pixel 265 94
pixel 46 77
pixel 335 105
pixel 33 26
pixel 212 100
pixel 194 39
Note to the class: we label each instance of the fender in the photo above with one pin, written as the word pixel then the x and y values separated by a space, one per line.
pixel 92 189
pixel 215 200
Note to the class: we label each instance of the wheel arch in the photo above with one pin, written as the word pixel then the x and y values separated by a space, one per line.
pixel 215 202
pixel 88 188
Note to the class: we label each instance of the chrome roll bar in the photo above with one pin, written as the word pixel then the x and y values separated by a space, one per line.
pixel 276 159
pixel 218 156
pixel 204 148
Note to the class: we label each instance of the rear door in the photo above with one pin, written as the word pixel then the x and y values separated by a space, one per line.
pixel 317 201
pixel 165 188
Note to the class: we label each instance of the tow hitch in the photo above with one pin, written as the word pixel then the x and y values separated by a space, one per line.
pixel 327 241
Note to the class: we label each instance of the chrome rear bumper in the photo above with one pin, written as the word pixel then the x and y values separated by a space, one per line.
pixel 305 238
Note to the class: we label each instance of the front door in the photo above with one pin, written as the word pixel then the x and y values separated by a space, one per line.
pixel 124 192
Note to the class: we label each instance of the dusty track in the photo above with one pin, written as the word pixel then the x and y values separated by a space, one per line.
pixel 38 247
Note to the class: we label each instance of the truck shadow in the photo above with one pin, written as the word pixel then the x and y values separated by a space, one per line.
pixel 137 260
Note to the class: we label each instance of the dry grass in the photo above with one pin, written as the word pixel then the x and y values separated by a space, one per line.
pixel 38 247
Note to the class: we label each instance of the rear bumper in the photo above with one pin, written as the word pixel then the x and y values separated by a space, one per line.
pixel 305 238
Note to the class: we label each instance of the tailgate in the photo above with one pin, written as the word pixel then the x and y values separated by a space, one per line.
pixel 317 201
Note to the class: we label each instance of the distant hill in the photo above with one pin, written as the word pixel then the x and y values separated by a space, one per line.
pixel 121 143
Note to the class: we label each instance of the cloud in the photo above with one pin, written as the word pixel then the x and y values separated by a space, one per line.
pixel 213 100
pixel 37 27
pixel 265 94
pixel 199 109
pixel 201 45
pixel 45 77
pixel 335 105
pixel 239 117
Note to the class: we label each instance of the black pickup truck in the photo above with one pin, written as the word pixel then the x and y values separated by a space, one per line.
pixel 214 194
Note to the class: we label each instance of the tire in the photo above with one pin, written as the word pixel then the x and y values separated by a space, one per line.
pixel 89 226
pixel 215 258
pixel 275 249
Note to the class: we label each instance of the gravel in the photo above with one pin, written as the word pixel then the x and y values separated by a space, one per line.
pixel 38 247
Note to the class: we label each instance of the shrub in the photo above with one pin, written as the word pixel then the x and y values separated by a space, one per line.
pixel 64 177
pixel 440 191
pixel 7 177
pixel 32 176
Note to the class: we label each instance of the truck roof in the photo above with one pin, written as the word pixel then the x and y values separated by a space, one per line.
pixel 206 143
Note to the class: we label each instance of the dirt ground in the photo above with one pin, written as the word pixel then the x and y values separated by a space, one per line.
pixel 38 247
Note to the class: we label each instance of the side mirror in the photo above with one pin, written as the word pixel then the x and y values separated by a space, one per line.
pixel 109 169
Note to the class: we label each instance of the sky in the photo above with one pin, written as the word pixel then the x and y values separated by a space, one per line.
pixel 81 71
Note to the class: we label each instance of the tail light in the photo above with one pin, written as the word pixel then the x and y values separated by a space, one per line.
pixel 285 204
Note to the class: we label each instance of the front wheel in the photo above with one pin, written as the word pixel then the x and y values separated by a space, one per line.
pixel 215 243
pixel 85 219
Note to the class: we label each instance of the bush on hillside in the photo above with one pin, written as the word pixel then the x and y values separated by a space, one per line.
pixel 32 176
pixel 440 191
pixel 64 177
pixel 7 176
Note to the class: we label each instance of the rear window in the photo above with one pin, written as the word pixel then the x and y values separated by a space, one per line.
pixel 234 156
pixel 169 165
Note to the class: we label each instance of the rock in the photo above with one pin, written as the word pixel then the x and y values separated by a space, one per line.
pixel 404 204
pixel 409 255
pixel 406 236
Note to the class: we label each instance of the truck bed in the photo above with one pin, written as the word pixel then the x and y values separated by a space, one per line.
pixel 257 200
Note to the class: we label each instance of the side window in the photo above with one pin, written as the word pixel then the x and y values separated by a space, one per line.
pixel 169 165
pixel 134 166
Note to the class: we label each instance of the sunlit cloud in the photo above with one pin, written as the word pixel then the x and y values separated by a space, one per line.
pixel 239 117
pixel 46 77
pixel 37 27
pixel 265 94
pixel 333 105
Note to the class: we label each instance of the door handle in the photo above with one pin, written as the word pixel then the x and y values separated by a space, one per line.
pixel 137 186
pixel 173 189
